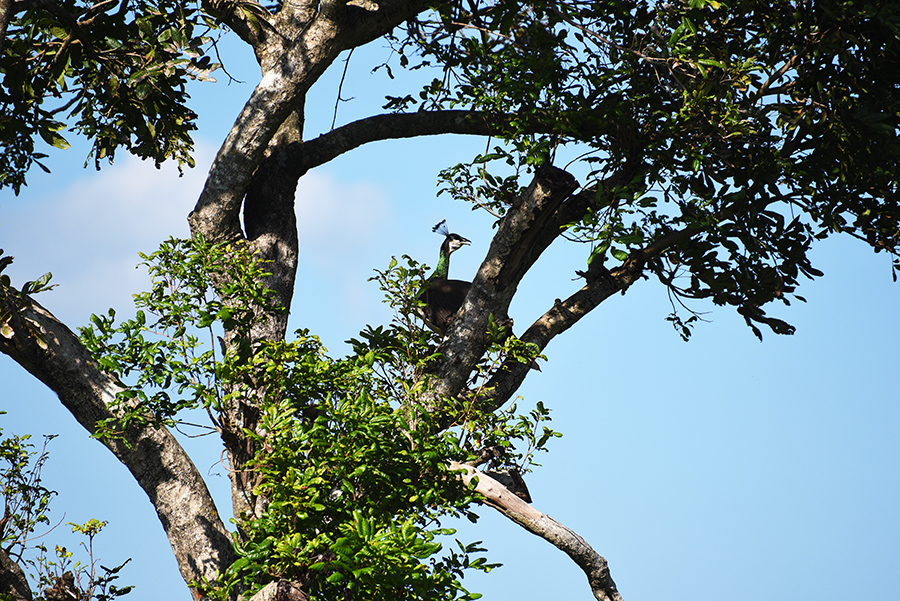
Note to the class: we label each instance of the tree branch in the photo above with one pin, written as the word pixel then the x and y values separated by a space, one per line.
pixel 330 145
pixel 525 231
pixel 600 285
pixel 291 63
pixel 199 540
pixel 6 13
pixel 395 126
pixel 500 498
pixel 13 583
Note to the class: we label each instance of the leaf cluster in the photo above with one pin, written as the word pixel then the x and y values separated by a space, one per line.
pixel 758 127
pixel 14 303
pixel 26 505
pixel 25 499
pixel 351 468
pixel 354 501
pixel 114 70
pixel 173 352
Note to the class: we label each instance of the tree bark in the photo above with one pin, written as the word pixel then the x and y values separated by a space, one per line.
pixel 199 540
pixel 500 498
pixel 12 579
pixel 523 234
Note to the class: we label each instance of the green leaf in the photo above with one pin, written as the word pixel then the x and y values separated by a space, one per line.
pixel 54 139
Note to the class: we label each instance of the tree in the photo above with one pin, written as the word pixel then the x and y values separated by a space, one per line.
pixel 713 148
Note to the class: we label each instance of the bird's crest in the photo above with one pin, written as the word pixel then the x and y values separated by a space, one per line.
pixel 441 228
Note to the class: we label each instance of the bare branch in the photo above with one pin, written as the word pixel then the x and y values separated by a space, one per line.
pixel 500 498
pixel 600 285
pixel 326 147
pixel 395 126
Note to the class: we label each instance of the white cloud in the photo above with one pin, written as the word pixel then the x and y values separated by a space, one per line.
pixel 346 230
pixel 88 231
pixel 335 219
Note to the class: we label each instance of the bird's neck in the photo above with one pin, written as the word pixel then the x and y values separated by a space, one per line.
pixel 443 265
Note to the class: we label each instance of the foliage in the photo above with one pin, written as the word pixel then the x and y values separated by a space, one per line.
pixel 14 303
pixel 355 497
pixel 26 505
pixel 175 368
pixel 25 500
pixel 61 577
pixel 353 473
pixel 116 70
pixel 761 127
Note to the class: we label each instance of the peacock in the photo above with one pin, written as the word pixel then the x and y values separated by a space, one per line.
pixel 442 296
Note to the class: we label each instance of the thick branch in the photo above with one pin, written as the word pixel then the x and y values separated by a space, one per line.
pixel 600 285
pixel 524 233
pixel 201 544
pixel 5 17
pixel 328 146
pixel 504 501
pixel 291 64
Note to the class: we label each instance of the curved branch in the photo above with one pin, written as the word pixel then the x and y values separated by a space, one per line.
pixel 601 284
pixel 395 126
pixel 526 230
pixel 199 540
pixel 292 62
pixel 500 498
pixel 328 146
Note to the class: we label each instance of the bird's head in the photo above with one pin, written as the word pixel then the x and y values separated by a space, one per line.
pixel 455 242
pixel 452 241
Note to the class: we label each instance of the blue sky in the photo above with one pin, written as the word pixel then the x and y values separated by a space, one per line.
pixel 722 468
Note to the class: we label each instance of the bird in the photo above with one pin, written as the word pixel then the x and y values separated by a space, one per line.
pixel 442 296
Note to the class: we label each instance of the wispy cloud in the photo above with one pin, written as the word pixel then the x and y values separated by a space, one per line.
pixel 88 231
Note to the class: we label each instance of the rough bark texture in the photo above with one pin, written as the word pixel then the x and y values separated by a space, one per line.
pixel 523 234
pixel 506 502
pixel 12 579
pixel 280 590
pixel 255 172
pixel 199 540
pixel 291 62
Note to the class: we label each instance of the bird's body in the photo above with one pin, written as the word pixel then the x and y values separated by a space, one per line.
pixel 442 298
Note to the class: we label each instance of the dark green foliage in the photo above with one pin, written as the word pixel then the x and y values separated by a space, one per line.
pixel 352 471
pixel 114 72
pixel 354 498
pixel 759 126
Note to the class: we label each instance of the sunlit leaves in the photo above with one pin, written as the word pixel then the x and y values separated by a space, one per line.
pixel 759 127
pixel 167 351
pixel 115 73
pixel 353 470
